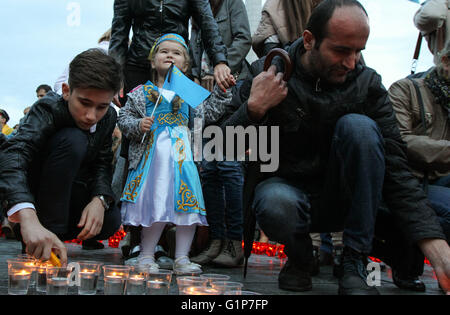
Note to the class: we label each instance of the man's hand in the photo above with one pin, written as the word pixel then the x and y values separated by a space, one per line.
pixel 91 219
pixel 208 82
pixel 438 253
pixel 267 91
pixel 38 240
pixel 223 76
pixel 146 123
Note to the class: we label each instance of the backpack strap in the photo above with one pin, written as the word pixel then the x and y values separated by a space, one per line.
pixel 424 124
pixel 416 54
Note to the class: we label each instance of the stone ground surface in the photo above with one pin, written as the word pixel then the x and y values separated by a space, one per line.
pixel 262 275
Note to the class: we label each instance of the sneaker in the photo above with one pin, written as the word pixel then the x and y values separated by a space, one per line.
pixel 183 265
pixel 212 251
pixel 354 277
pixel 294 278
pixel 232 254
pixel 338 270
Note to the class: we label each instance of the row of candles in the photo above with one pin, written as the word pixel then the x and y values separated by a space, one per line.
pixel 25 272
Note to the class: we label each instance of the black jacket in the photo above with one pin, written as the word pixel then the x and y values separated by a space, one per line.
pixel 151 19
pixel 47 116
pixel 307 118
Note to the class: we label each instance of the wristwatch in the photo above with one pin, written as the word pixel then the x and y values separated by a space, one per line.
pixel 104 202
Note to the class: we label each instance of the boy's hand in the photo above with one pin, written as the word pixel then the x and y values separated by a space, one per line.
pixel 91 219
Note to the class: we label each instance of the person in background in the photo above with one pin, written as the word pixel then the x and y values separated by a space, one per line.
pixel 433 21
pixel 4 118
pixel 422 108
pixel 42 90
pixel 223 180
pixel 282 22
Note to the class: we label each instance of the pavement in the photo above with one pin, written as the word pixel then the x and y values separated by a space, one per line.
pixel 262 274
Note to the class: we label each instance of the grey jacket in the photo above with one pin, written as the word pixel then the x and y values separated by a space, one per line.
pixel 131 114
pixel 234 28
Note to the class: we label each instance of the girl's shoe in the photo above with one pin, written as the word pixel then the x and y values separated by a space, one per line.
pixel 183 265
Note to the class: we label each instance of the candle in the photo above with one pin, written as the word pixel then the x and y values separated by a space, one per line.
pixel 136 285
pixel 199 290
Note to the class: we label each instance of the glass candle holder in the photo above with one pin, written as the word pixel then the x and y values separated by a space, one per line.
pixel 212 277
pixel 88 277
pixel 189 281
pixel 41 276
pixel 114 279
pixel 19 276
pixel 224 286
pixel 159 281
pixel 58 280
pixel 32 263
pixel 240 292
pixel 200 290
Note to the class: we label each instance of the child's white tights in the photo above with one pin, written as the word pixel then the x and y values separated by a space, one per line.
pixel 151 235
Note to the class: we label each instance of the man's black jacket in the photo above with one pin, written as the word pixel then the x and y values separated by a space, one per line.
pixel 46 117
pixel 151 19
pixel 307 117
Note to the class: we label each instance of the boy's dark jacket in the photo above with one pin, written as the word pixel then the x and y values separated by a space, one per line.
pixel 306 119
pixel 47 116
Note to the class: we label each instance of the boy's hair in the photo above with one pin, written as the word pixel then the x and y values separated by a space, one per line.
pixel 93 68
pixel 318 21
pixel 44 87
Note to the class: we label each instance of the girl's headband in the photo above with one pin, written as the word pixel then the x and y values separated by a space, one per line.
pixel 169 36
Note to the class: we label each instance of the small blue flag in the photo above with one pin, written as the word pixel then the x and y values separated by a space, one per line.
pixel 188 90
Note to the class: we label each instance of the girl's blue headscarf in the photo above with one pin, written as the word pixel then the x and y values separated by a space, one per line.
pixel 162 38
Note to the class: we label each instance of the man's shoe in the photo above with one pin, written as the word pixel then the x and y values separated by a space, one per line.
pixel 212 251
pixel 232 254
pixel 408 283
pixel 293 278
pixel 354 277
pixel 92 244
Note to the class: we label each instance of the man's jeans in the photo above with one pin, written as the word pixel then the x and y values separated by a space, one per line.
pixel 350 198
pixel 223 183
pixel 60 194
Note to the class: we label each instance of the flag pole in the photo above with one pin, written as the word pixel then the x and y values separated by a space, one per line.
pixel 168 76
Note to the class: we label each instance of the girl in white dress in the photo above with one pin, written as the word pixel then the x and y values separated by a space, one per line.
pixel 163 184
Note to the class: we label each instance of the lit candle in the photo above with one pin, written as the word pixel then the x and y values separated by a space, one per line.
pixel 200 291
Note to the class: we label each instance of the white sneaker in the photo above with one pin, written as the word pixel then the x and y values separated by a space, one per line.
pixel 183 265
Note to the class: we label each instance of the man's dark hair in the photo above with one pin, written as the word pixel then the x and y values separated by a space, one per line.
pixel 44 87
pixel 94 69
pixel 318 21
pixel 4 114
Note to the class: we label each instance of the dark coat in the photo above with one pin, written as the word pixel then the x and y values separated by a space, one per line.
pixel 307 118
pixel 47 116
pixel 234 28
pixel 150 19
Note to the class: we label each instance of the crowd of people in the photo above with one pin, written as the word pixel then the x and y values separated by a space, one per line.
pixel 363 170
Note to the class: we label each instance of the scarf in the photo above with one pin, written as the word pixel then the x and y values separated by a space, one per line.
pixel 439 87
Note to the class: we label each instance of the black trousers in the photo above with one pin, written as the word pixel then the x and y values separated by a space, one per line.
pixel 60 182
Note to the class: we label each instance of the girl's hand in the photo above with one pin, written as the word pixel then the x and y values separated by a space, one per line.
pixel 146 123
pixel 223 76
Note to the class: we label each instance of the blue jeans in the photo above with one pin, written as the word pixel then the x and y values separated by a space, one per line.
pixel 439 197
pixel 223 183
pixel 351 195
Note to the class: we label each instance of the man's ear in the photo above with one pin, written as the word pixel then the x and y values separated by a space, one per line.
pixel 65 91
pixel 308 40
